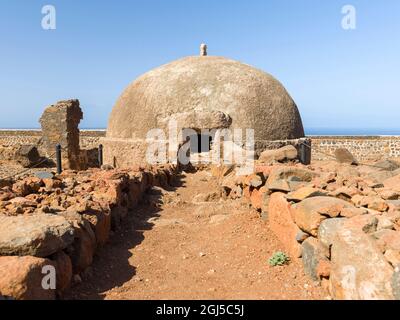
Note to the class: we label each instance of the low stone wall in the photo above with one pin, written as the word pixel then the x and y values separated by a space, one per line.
pixel 60 222
pixel 342 220
pixel 364 148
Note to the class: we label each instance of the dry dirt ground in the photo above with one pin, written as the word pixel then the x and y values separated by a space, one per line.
pixel 177 248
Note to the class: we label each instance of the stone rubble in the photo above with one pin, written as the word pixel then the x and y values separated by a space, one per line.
pixel 342 219
pixel 62 221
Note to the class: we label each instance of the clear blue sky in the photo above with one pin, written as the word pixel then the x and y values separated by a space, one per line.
pixel 339 79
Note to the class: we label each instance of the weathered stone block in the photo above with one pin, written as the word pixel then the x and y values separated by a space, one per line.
pixel 39 235
pixel 359 270
pixel 60 126
pixel 282 224
pixel 314 253
pixel 21 278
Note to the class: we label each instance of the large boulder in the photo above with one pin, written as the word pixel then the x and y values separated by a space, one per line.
pixel 288 152
pixel 388 165
pixel 63 266
pixel 393 183
pixel 21 278
pixel 359 270
pixel 27 156
pixel 83 248
pixel 312 211
pixel 288 179
pixel 328 229
pixel 304 193
pixel 282 225
pixel 39 235
pixel 343 155
pixel 315 259
pixel 379 176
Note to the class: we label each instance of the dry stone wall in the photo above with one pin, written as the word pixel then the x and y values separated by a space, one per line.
pixel 343 221
pixel 62 221
pixel 363 148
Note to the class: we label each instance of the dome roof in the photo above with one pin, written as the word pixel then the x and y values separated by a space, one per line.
pixel 204 84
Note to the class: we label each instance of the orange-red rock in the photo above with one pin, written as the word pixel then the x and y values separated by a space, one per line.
pixel 282 224
pixel 21 278
pixel 312 211
pixel 64 271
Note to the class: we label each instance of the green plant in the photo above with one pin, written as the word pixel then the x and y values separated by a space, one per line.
pixel 278 259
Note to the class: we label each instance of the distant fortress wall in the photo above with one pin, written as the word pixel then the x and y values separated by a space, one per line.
pixel 88 138
pixel 363 147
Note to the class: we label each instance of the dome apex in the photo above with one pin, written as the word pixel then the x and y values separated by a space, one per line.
pixel 203 50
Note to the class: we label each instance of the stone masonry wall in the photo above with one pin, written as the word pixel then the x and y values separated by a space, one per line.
pixel 363 148
pixel 89 139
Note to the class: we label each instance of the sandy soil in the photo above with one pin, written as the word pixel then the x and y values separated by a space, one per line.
pixel 175 248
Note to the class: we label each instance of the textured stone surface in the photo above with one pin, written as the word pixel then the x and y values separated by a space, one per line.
pixel 27 155
pixel 393 183
pixel 21 278
pixel 343 155
pixel 288 178
pixel 314 254
pixel 304 193
pixel 312 211
pixel 60 126
pixel 282 224
pixel 38 235
pixel 328 229
pixel 285 153
pixel 396 285
pixel 204 85
pixel 63 266
pixel 364 148
pixel 359 270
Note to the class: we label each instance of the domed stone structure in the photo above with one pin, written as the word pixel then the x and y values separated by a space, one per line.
pixel 203 92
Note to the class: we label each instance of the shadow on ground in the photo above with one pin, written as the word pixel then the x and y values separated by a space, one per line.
pixel 111 267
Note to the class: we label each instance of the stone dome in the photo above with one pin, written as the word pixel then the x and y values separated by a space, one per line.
pixel 199 93
pixel 201 86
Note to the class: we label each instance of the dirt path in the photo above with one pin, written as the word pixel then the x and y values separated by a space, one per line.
pixel 184 249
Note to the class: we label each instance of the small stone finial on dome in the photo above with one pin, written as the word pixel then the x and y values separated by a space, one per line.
pixel 203 50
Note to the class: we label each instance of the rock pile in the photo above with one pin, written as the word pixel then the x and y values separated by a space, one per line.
pixel 60 221
pixel 342 220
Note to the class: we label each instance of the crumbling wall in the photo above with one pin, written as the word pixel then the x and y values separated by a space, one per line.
pixel 60 126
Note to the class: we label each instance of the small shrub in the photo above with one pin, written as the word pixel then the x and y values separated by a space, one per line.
pixel 278 259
